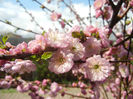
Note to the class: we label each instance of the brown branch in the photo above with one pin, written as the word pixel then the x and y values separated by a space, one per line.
pixel 125 12
pixel 123 41
pixel 112 5
pixel 25 55
pixel 115 17
pixel 18 56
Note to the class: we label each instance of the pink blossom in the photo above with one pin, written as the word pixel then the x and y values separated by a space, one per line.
pixel 8 65
pixel 61 62
pixel 103 35
pixel 9 45
pixel 5 84
pixel 19 49
pixel 74 84
pixel 75 69
pixel 22 66
pixel 130 96
pixel 44 82
pixel 37 45
pixel 92 46
pixel 117 81
pixel 55 16
pixel 89 30
pixel 123 69
pixel 37 82
pixel 41 41
pixel 3 51
pixel 98 13
pixel 55 87
pixel 62 23
pixel 76 48
pixel 8 78
pixel 96 66
pixel 121 52
pixel 131 3
pixel 23 87
pixel 107 12
pixel 124 93
pixel 129 30
pixel 34 47
pixel 41 92
pixel 81 84
pixel 34 88
pixel 109 54
pixel 57 39
pixel 99 3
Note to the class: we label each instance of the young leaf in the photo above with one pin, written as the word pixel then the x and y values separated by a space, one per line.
pixel 46 55
pixel 4 39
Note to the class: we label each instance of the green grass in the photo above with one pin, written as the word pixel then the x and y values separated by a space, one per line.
pixel 11 90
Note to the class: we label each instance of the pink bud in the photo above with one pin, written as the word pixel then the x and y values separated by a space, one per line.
pixel 37 82
pixel 8 78
pixel 62 24
pixel 117 81
pixel 44 82
pixel 83 91
pixel 98 13
pixel 55 16
pixel 74 84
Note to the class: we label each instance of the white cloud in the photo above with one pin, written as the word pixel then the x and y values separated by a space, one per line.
pixel 15 14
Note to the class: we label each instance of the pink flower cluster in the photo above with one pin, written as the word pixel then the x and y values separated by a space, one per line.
pixel 7 82
pixel 19 66
pixel 106 11
pixel 69 50
pixel 73 49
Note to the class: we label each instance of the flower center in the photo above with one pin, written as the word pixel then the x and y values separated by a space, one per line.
pixel 60 60
pixel 96 66
pixel 73 48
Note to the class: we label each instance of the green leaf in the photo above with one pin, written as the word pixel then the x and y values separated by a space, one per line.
pixel 79 35
pixel 43 32
pixel 33 56
pixel 4 39
pixel 76 34
pixel 46 55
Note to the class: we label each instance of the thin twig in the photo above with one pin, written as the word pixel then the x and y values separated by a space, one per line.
pixel 33 18
pixel 51 11
pixel 18 28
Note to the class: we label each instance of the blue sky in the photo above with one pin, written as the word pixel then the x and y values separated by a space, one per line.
pixel 32 5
